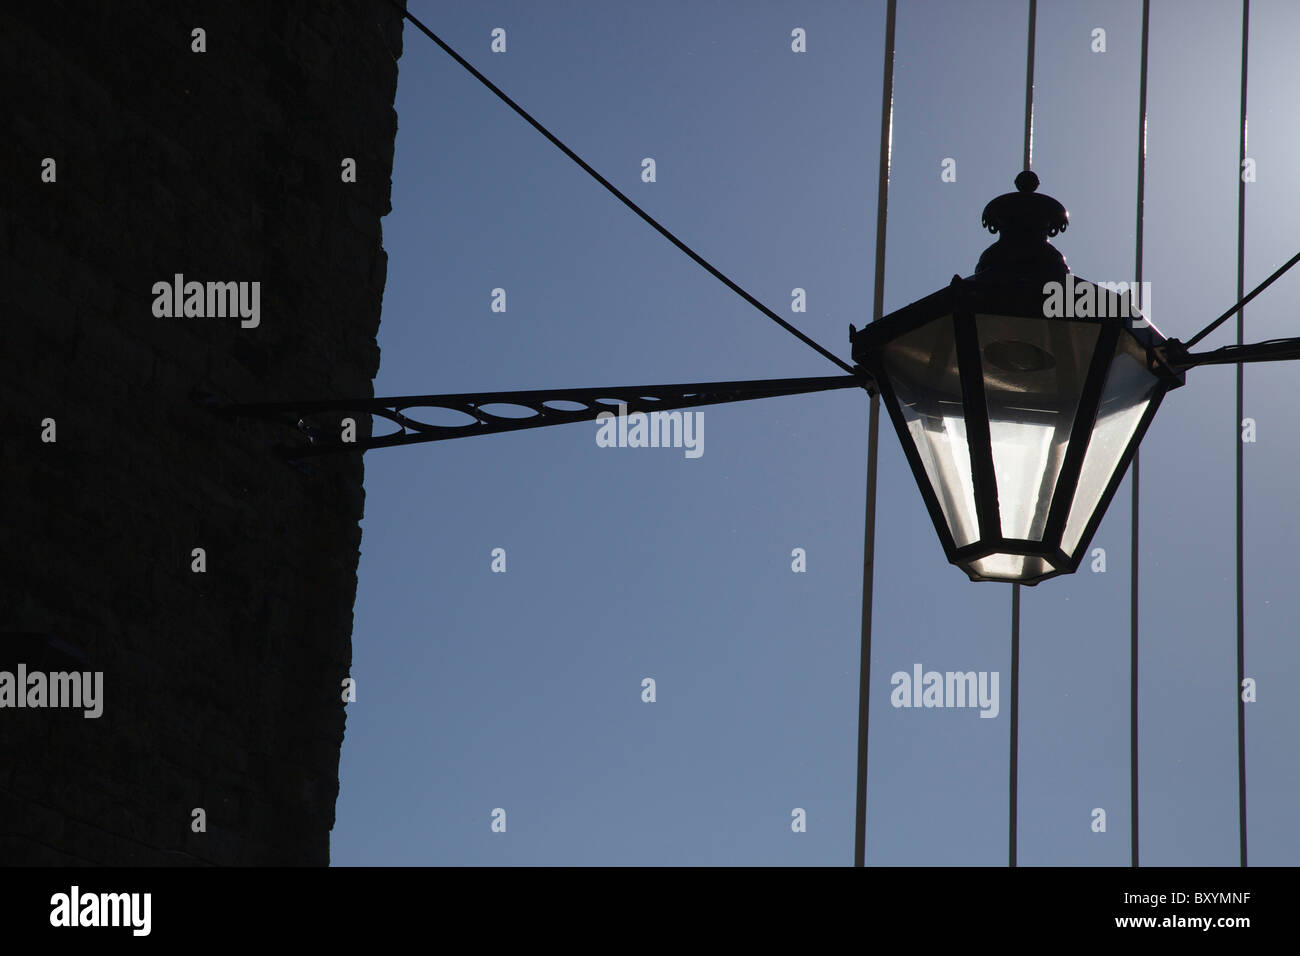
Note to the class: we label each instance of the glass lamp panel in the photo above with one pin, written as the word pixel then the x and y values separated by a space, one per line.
pixel 1034 371
pixel 921 365
pixel 1015 567
pixel 1124 400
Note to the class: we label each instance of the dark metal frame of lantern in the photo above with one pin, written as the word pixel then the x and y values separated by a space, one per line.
pixel 1018 427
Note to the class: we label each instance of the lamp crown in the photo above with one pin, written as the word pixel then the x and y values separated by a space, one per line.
pixel 1023 220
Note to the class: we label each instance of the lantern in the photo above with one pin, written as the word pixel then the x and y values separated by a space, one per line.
pixel 1020 395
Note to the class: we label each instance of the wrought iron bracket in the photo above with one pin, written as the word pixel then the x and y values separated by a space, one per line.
pixel 533 409
pixel 1178 357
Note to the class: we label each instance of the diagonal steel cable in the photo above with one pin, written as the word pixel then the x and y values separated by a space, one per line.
pixel 618 194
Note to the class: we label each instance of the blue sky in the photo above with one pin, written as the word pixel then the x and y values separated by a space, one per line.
pixel 522 690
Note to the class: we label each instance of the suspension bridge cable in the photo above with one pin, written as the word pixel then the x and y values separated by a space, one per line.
pixel 1013 758
pixel 1136 466
pixel 873 434
pixel 1241 371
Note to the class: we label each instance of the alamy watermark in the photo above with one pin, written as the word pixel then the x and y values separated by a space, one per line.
pixel 212 300
pixel 37 689
pixel 923 688
pixel 1087 300
pixel 652 430
pixel 75 908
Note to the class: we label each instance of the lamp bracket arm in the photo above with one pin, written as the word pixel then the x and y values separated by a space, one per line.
pixel 530 409
pixel 1177 356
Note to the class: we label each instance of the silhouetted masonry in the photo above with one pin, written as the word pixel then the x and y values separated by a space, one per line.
pixel 221 688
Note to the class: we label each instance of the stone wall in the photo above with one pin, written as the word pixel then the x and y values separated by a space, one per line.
pixel 221 688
